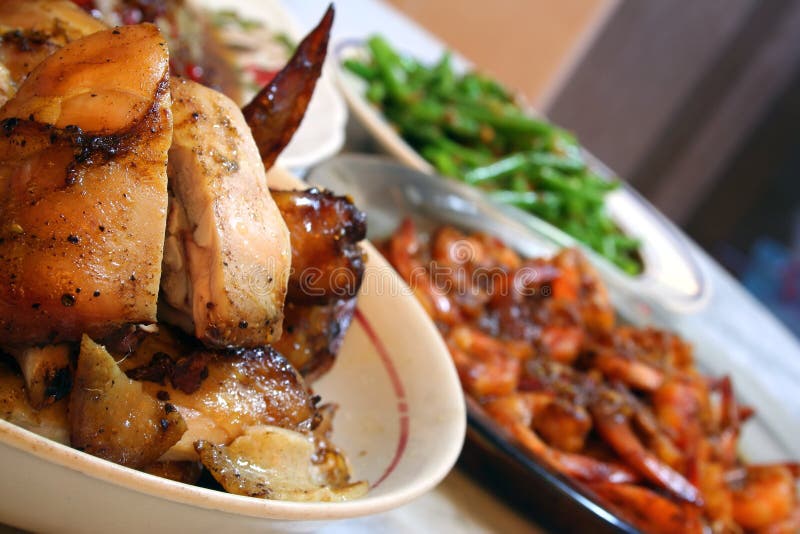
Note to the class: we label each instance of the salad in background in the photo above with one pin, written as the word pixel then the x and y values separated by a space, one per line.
pixel 219 48
pixel 471 128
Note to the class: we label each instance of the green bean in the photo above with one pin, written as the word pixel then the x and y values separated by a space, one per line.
pixel 461 126
pixel 388 64
pixel 470 156
pixel 548 159
pixel 441 160
pixel 426 111
pixel 496 169
pixel 442 77
pixel 556 181
pixel 508 121
pixel 376 92
pixel 361 69
pixel 521 199
pixel 519 182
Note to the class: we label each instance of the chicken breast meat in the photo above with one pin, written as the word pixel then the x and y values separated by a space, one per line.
pixel 228 255
pixel 83 196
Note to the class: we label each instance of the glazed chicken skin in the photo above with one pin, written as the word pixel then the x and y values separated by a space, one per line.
pixel 327 262
pixel 32 30
pixel 227 256
pixel 83 196
pixel 327 271
pixel 313 334
pixel 219 393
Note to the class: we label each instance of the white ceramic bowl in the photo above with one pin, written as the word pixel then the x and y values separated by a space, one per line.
pixel 401 422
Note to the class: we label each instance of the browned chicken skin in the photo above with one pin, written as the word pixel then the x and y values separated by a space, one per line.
pixel 313 334
pixel 220 393
pixel 83 195
pixel 327 263
pixel 227 255
pixel 32 30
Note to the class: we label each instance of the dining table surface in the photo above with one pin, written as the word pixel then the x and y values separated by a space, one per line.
pixel 747 331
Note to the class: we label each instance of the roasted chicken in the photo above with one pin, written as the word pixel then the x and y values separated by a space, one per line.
pixel 276 111
pixel 280 464
pixel 219 392
pixel 327 263
pixel 48 421
pixel 31 31
pixel 112 417
pixel 227 257
pixel 108 214
pixel 313 334
pixel 83 196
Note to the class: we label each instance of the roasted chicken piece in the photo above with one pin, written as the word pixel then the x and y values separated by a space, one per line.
pixel 227 256
pixel 220 393
pixel 280 464
pixel 83 196
pixel 277 110
pixel 49 421
pixel 112 417
pixel 313 334
pixel 32 30
pixel 327 263
pixel 47 372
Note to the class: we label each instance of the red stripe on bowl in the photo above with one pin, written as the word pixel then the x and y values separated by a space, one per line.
pixel 399 391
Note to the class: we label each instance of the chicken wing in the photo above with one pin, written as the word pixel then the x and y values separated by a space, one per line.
pixel 277 110
pixel 227 256
pixel 83 196
pixel 327 263
pixel 312 335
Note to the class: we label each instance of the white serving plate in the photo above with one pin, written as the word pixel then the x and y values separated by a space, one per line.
pixel 322 132
pixel 671 275
pixel 401 422
pixel 388 192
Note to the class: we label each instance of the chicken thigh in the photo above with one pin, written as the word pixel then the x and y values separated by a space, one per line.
pixel 83 196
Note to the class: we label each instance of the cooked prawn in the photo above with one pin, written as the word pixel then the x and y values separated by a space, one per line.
pixel 767 496
pixel 621 408
pixel 514 414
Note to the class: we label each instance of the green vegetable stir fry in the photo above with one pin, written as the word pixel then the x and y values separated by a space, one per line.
pixel 469 127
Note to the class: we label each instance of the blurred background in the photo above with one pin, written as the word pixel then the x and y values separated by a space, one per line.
pixel 696 104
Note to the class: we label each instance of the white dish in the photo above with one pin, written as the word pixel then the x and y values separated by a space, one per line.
pixel 389 192
pixel 322 132
pixel 401 423
pixel 671 275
